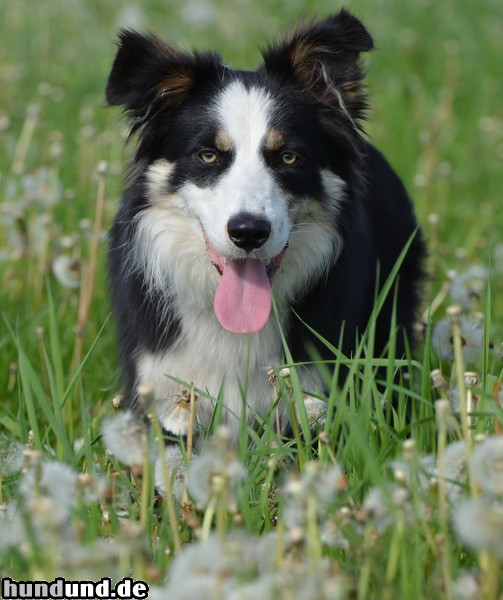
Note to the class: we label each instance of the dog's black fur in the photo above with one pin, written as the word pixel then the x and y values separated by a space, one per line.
pixel 315 99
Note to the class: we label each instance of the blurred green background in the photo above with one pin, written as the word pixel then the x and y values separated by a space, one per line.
pixel 435 81
pixel 436 87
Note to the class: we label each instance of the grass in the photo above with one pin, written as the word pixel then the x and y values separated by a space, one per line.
pixel 391 510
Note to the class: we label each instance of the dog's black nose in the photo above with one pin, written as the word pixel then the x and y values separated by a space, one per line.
pixel 248 231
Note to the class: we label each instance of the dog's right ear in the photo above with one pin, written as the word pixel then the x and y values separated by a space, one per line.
pixel 146 69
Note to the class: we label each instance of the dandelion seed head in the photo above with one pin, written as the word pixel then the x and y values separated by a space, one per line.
pixel 95 559
pixel 67 242
pixel 267 587
pixel 91 487
pixel 102 167
pixel 479 524
pixel 56 482
pixel 295 486
pixel 216 469
pixel 200 570
pixel 468 286
pixel 378 506
pixel 420 180
pixel 131 16
pixel 296 534
pixel 11 526
pixel 455 464
pixel 316 410
pixel 257 551
pixel 124 435
pixel 400 475
pixel 55 150
pixel 85 225
pixel 320 482
pixel 88 131
pixel 175 469
pixel 455 458
pixel 223 434
pixel 472 339
pixel 399 495
pixel 196 586
pixel 11 456
pixel 294 517
pixel 345 513
pixel 200 14
pixel 297 583
pixel 466 587
pixel 295 494
pixel 325 483
pixel 454 400
pixel 41 188
pixel 444 169
pixel 487 465
pixel 67 271
pixel 332 536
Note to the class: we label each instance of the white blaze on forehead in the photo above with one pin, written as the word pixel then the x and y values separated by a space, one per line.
pixel 243 119
pixel 244 115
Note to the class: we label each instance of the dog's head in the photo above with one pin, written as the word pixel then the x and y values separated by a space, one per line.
pixel 263 159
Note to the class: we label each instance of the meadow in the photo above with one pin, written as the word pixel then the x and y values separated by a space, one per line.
pixel 378 500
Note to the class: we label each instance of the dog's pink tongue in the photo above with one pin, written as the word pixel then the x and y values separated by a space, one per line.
pixel 243 296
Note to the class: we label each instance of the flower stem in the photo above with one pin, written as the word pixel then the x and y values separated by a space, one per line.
pixel 442 409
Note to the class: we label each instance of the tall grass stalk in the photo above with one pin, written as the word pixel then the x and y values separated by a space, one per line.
pixel 146 399
pixel 387 530
pixel 454 313
pixel 443 415
pixel 89 268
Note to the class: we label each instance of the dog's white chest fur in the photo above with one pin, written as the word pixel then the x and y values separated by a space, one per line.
pixel 219 363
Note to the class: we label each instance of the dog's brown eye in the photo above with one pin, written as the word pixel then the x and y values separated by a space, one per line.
pixel 208 156
pixel 289 158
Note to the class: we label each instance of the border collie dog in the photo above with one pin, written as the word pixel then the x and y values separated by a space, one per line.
pixel 248 187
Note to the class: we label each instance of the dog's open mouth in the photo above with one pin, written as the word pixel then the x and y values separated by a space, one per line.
pixel 243 297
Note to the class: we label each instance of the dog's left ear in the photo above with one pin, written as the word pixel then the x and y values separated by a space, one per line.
pixel 324 58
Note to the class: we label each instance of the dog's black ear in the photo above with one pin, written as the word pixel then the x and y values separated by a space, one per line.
pixel 324 58
pixel 147 69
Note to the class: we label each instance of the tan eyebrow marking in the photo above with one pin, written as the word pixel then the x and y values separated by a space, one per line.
pixel 275 140
pixel 222 141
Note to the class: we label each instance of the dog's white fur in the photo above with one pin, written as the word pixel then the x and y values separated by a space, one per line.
pixel 171 252
pixel 248 186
